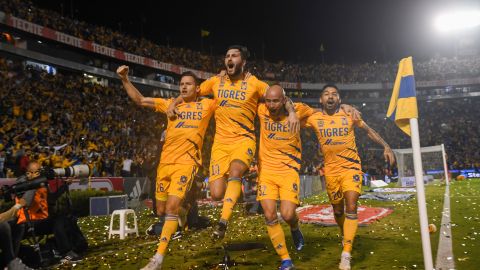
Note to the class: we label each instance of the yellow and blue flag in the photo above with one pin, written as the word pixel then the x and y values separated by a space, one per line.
pixel 403 103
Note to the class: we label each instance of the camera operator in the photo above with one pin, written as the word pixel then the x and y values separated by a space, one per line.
pixel 7 255
pixel 35 214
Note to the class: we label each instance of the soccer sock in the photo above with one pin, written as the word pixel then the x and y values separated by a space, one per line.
pixel 170 227
pixel 349 229
pixel 234 189
pixel 340 219
pixel 275 232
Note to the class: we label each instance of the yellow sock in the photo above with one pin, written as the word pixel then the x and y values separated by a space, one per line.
pixel 275 232
pixel 340 221
pixel 234 189
pixel 169 228
pixel 349 230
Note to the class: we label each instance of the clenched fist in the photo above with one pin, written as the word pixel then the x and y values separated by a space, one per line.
pixel 122 72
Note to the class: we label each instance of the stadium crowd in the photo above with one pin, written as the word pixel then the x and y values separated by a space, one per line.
pixel 63 120
pixel 438 68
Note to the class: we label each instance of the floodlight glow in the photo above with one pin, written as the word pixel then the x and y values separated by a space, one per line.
pixel 457 20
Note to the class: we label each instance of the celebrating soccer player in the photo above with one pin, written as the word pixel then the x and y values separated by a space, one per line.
pixel 279 166
pixel 343 171
pixel 234 145
pixel 181 151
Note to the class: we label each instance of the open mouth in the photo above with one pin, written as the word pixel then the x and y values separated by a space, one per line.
pixel 230 65
pixel 330 102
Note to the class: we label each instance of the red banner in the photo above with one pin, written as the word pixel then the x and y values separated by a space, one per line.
pixel 323 214
pixel 48 33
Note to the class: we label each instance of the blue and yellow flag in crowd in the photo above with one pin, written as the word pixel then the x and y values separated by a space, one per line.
pixel 403 104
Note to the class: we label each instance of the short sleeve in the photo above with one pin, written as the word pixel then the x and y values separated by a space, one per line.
pixel 261 87
pixel 206 87
pixel 210 104
pixel 303 110
pixel 161 104
pixel 261 109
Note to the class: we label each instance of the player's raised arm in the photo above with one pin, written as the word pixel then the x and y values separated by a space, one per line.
pixel 374 136
pixel 132 91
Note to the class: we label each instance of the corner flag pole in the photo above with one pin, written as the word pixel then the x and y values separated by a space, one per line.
pixel 422 206
pixel 404 111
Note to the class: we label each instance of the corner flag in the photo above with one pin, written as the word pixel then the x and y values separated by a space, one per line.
pixel 204 33
pixel 403 103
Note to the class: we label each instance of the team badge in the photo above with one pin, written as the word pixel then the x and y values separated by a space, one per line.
pixel 222 82
pixel 344 121
pixel 320 123
pixel 183 179
pixel 244 85
pixel 356 178
pixel 199 106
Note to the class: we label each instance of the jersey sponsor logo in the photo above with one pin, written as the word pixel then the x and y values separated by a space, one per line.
pixel 183 125
pixel 331 142
pixel 231 94
pixel 224 103
pixel 273 136
pixel 333 132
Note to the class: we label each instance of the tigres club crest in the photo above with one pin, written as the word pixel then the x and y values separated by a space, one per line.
pixel 244 85
pixel 320 123
pixel 183 179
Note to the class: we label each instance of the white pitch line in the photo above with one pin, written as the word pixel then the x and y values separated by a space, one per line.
pixel 445 259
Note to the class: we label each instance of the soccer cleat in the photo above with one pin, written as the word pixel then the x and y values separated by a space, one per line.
pixel 298 240
pixel 153 264
pixel 219 231
pixel 287 265
pixel 345 261
pixel 71 257
pixel 177 235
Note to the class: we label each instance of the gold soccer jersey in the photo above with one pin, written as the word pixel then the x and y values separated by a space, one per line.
pixel 185 134
pixel 236 106
pixel 280 149
pixel 337 140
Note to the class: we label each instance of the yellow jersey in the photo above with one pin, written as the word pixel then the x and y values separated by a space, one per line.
pixel 184 135
pixel 280 150
pixel 236 106
pixel 336 137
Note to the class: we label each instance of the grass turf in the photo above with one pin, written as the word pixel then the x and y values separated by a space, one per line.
pixel 391 243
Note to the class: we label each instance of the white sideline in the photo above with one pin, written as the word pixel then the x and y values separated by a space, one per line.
pixel 445 259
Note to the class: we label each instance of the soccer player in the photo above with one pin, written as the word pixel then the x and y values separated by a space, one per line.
pixel 180 154
pixel 234 145
pixel 343 170
pixel 279 166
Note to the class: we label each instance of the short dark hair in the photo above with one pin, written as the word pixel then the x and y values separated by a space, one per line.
pixel 330 86
pixel 190 74
pixel 243 51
